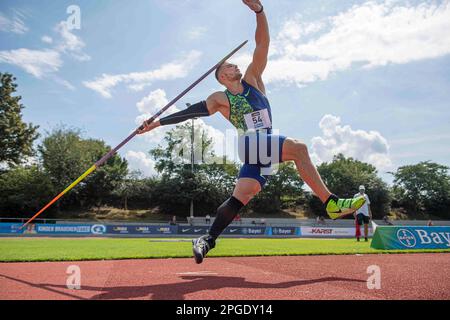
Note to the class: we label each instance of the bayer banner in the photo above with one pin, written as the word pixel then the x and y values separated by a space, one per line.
pixel 245 231
pixel 284 231
pixel 393 237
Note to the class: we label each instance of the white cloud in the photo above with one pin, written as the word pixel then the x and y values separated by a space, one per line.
pixel 41 63
pixel 14 24
pixel 137 81
pixel 153 102
pixel 36 62
pixel 70 43
pixel 157 99
pixel 150 105
pixel 366 146
pixel 47 39
pixel 64 83
pixel 138 160
pixel 371 34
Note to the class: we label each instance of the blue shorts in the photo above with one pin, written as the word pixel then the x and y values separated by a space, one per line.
pixel 259 151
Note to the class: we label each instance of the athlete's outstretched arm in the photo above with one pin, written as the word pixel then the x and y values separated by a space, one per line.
pixel 200 109
pixel 262 38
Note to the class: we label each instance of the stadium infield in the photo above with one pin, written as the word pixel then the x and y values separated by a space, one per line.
pixel 80 249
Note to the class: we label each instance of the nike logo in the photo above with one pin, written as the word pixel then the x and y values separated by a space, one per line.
pixel 197 230
pixel 184 230
pixel 233 230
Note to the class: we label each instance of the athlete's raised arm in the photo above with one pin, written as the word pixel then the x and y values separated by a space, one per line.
pixel 200 109
pixel 262 38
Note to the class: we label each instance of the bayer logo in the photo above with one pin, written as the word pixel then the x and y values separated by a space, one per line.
pixel 406 238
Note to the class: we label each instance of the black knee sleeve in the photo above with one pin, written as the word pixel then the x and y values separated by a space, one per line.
pixel 225 215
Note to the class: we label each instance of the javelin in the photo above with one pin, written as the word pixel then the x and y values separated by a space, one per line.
pixel 131 136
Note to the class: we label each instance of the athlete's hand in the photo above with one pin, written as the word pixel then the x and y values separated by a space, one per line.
pixel 254 5
pixel 148 127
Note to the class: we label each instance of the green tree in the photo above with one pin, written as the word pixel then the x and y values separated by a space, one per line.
pixel 343 176
pixel 24 191
pixel 423 188
pixel 210 183
pixel 65 156
pixel 284 186
pixel 135 192
pixel 16 136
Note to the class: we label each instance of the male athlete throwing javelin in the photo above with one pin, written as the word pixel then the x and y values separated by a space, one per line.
pixel 246 106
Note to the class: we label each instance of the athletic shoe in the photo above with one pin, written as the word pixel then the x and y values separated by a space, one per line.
pixel 366 240
pixel 357 239
pixel 201 246
pixel 338 208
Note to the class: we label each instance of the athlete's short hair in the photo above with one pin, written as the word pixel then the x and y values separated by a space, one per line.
pixel 217 71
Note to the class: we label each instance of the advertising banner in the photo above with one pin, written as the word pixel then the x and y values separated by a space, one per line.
pixel 284 231
pixel 329 232
pixel 401 237
pixel 6 228
pixel 141 229
pixel 64 229
pixel 193 230
pixel 245 231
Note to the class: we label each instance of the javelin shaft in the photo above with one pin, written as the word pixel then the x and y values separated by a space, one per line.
pixel 84 175
pixel 171 103
pixel 131 136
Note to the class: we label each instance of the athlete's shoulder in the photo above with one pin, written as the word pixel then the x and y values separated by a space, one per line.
pixel 217 101
pixel 218 97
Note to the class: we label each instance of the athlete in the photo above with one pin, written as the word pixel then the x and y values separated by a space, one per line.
pixel 245 105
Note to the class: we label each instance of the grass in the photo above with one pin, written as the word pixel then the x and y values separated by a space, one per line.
pixel 54 249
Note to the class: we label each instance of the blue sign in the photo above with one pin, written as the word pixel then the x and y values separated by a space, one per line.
pixel 141 229
pixel 63 229
pixel 192 230
pixel 246 231
pixel 285 231
pixel 10 228
pixel 399 237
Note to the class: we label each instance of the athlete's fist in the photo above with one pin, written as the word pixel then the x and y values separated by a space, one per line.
pixel 254 5
pixel 148 127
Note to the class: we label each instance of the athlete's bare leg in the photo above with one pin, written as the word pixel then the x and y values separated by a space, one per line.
pixel 246 189
pixel 295 150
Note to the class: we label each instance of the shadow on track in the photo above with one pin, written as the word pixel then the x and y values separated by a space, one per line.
pixel 178 290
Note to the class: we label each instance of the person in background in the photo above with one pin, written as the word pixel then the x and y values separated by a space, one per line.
pixel 430 223
pixel 363 215
pixel 208 219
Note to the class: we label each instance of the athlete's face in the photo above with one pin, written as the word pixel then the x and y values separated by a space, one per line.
pixel 230 72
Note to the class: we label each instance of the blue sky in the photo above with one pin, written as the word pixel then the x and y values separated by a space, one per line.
pixel 368 79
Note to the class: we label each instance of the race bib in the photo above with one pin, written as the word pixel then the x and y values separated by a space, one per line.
pixel 258 120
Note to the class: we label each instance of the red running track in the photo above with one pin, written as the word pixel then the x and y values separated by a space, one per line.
pixel 403 276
